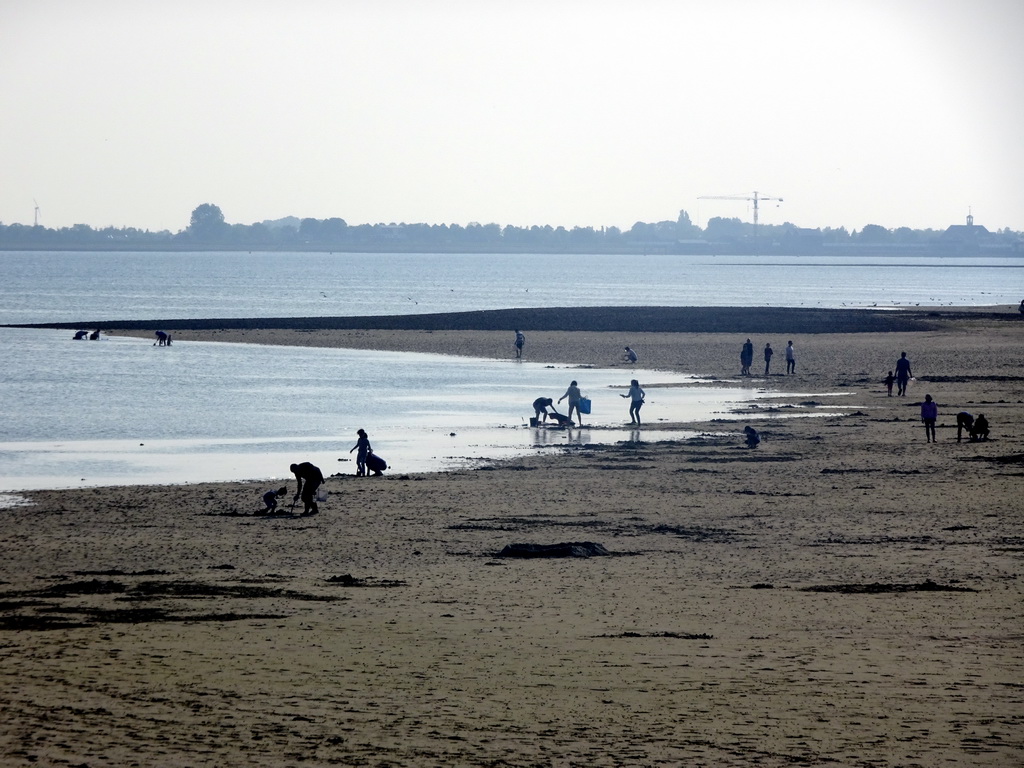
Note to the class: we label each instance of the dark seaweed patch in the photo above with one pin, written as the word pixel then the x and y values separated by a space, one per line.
pixel 879 588
pixel 348 580
pixel 670 635
pixel 563 549
pixel 696 533
pixel 51 608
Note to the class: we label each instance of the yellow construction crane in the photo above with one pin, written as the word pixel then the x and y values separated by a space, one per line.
pixel 756 198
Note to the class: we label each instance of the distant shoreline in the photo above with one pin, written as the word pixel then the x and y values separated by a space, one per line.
pixel 593 319
pixel 936 248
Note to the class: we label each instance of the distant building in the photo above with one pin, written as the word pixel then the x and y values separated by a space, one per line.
pixel 802 239
pixel 965 237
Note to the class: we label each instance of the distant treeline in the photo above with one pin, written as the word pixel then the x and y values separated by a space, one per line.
pixel 208 231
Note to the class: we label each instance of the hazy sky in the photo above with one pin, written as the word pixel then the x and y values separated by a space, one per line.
pixel 561 112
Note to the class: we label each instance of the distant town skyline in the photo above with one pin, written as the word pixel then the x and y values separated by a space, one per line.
pixel 751 226
pixel 209 231
pixel 565 113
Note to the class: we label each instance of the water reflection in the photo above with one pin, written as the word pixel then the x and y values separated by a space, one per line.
pixel 122 411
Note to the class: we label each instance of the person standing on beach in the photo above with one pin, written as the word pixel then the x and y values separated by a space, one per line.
pixel 636 400
pixel 309 478
pixel 903 374
pixel 790 358
pixel 520 340
pixel 573 393
pixel 767 358
pixel 889 382
pixel 363 444
pixel 746 357
pixel 929 413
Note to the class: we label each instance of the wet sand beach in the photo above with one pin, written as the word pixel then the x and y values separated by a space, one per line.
pixel 844 594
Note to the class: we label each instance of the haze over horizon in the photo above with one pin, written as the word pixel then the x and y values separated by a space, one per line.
pixel 566 113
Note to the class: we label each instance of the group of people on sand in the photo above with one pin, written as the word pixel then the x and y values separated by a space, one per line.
pixel 366 460
pixel 309 478
pixel 747 358
pixel 80 335
pixel 976 429
pixel 541 405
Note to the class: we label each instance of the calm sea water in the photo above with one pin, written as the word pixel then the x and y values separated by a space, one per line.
pixel 72 287
pixel 121 411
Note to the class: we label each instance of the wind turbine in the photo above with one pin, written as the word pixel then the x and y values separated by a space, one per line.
pixel 36 220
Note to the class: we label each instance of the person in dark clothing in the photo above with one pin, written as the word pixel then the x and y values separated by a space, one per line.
pixel 964 423
pixel 903 374
pixel 767 358
pixel 375 464
pixel 270 499
pixel 929 413
pixel 746 357
pixel 309 478
pixel 753 439
pixel 363 444
pixel 980 429
pixel 889 381
pixel 541 405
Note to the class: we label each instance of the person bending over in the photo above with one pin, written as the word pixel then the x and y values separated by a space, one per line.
pixel 270 499
pixel 540 407
pixel 309 478
pixel 964 423
pixel 980 429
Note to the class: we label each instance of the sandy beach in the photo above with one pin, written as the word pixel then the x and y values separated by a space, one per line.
pixel 844 594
